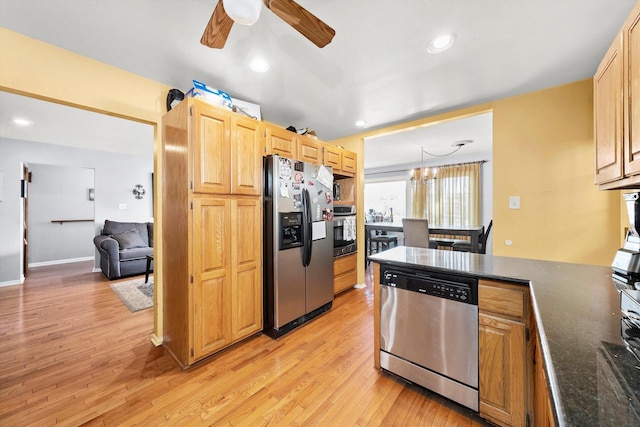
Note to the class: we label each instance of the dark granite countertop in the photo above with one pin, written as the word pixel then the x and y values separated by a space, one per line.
pixel 594 380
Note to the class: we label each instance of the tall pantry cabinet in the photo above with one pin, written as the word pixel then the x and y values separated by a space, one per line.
pixel 212 219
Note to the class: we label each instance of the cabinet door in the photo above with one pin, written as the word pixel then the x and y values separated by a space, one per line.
pixel 211 275
pixel 246 290
pixel 608 103
pixel 211 149
pixel 345 273
pixel 246 157
pixel 332 156
pixel 631 34
pixel 348 162
pixel 309 150
pixel 281 141
pixel 502 370
pixel 542 412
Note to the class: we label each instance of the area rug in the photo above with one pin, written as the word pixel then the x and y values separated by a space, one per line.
pixel 135 294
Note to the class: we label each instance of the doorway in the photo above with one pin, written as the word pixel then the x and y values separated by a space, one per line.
pixel 61 210
pixel 120 151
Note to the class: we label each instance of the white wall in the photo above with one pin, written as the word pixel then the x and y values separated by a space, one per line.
pixel 115 177
pixel 59 193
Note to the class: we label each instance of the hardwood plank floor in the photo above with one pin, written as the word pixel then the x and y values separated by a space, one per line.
pixel 71 353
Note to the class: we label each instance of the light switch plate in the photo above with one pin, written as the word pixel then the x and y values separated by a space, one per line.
pixel 514 202
pixel 122 206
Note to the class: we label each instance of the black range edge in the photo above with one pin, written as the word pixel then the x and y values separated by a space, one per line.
pixel 577 311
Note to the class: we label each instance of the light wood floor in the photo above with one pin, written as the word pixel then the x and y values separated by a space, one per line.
pixel 72 353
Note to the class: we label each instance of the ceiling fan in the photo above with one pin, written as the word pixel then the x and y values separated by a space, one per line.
pixel 246 12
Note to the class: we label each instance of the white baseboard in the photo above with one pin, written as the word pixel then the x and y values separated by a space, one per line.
pixel 12 282
pixel 59 261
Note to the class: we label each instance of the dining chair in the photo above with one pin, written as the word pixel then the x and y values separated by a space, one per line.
pixel 466 246
pixel 416 233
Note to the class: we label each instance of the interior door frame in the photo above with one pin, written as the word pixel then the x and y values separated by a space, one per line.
pixel 24 189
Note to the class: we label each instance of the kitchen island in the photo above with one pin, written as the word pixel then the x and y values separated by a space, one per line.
pixel 592 378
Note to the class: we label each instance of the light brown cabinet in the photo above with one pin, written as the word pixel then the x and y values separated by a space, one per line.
pixel 212 211
pixel 224 147
pixel 345 273
pixel 608 107
pixel 246 161
pixel 343 162
pixel 542 410
pixel 280 141
pixel 309 150
pixel 617 108
pixel 503 352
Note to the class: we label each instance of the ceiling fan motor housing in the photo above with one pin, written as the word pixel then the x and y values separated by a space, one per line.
pixel 245 12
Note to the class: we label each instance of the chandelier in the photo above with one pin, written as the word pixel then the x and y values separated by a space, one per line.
pixel 427 174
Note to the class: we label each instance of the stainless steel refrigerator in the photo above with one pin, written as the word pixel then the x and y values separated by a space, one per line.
pixel 298 243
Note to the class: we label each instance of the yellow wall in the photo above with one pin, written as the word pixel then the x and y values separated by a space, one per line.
pixel 32 68
pixel 543 152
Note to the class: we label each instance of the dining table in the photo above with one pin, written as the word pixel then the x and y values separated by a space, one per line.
pixel 473 232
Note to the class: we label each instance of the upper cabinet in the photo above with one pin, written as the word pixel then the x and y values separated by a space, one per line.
pixel 608 110
pixel 343 162
pixel 246 159
pixel 617 110
pixel 226 151
pixel 309 149
pixel 280 141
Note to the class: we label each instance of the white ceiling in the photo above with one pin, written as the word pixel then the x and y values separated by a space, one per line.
pixel 404 148
pixel 72 127
pixel 376 68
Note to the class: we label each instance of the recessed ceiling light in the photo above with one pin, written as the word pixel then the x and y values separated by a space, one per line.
pixel 361 123
pixel 440 44
pixel 259 65
pixel 22 122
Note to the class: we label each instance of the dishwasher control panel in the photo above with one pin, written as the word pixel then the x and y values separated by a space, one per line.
pixel 456 288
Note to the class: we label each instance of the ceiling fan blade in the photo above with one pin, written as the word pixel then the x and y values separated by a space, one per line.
pixel 218 28
pixel 302 21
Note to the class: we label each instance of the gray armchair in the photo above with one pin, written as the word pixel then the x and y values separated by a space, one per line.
pixel 123 248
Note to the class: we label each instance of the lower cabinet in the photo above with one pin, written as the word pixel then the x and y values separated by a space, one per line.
pixel 504 368
pixel 345 273
pixel 542 410
pixel 224 301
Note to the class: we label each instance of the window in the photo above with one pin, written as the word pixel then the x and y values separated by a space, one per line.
pixel 453 198
pixel 385 201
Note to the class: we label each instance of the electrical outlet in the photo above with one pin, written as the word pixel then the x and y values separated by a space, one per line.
pixel 514 202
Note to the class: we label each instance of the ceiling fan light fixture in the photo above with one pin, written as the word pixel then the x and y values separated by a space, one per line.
pixel 440 44
pixel 244 12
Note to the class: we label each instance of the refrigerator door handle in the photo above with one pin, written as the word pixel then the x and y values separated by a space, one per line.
pixel 308 227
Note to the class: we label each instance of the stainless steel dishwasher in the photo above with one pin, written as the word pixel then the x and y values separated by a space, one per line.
pixel 429 331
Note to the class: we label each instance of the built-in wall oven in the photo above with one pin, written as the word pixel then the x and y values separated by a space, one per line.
pixel 429 331
pixel 344 230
